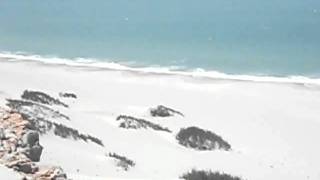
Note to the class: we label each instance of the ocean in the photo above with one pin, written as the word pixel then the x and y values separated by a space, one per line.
pixel 237 37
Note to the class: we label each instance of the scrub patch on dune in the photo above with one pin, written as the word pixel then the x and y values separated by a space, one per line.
pixel 66 132
pixel 130 122
pixel 44 126
pixel 39 117
pixel 199 139
pixel 43 98
pixel 207 175
pixel 163 111
pixel 122 161
pixel 35 109
pixel 68 95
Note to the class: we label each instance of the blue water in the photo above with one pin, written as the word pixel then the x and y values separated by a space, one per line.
pixel 274 37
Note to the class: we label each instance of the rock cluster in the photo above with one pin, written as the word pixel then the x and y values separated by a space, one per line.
pixel 31 145
pixel 163 111
pixel 20 147
pixel 39 115
pixel 51 173
pixel 196 138
pixel 130 122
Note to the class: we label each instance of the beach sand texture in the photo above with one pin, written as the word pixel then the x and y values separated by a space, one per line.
pixel 272 127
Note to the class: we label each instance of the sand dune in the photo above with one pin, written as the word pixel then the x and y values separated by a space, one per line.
pixel 272 127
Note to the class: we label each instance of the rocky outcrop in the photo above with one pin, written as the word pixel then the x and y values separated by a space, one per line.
pixel 43 98
pixel 20 147
pixel 20 163
pixel 122 161
pixel 196 138
pixel 12 127
pixel 51 173
pixel 39 115
pixel 130 122
pixel 162 111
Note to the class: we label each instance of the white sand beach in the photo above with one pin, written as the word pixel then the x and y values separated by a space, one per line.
pixel 272 127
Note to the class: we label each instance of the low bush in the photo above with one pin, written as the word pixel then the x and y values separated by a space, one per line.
pixel 130 122
pixel 122 161
pixel 40 97
pixel 200 139
pixel 207 175
pixel 163 111
pixel 38 116
pixel 35 109
pixel 68 95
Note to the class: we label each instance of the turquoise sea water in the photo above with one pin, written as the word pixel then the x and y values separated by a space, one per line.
pixel 276 38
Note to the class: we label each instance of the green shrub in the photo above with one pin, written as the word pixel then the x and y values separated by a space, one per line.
pixel 207 175
pixel 196 138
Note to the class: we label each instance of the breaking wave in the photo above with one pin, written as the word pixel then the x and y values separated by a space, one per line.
pixel 172 70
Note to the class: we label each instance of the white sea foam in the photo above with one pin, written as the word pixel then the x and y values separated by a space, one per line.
pixel 271 127
pixel 172 70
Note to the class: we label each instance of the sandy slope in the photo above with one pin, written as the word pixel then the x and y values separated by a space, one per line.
pixel 272 127
pixel 8 174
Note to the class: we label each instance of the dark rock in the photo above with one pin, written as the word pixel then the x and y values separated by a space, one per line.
pixel 25 168
pixel 162 111
pixel 34 153
pixel 2 134
pixel 32 148
pixel 31 138
pixel 130 122
pixel 42 98
pixel 68 95
pixel 200 139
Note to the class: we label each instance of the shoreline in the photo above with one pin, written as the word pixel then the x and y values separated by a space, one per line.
pixel 94 65
pixel 259 120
